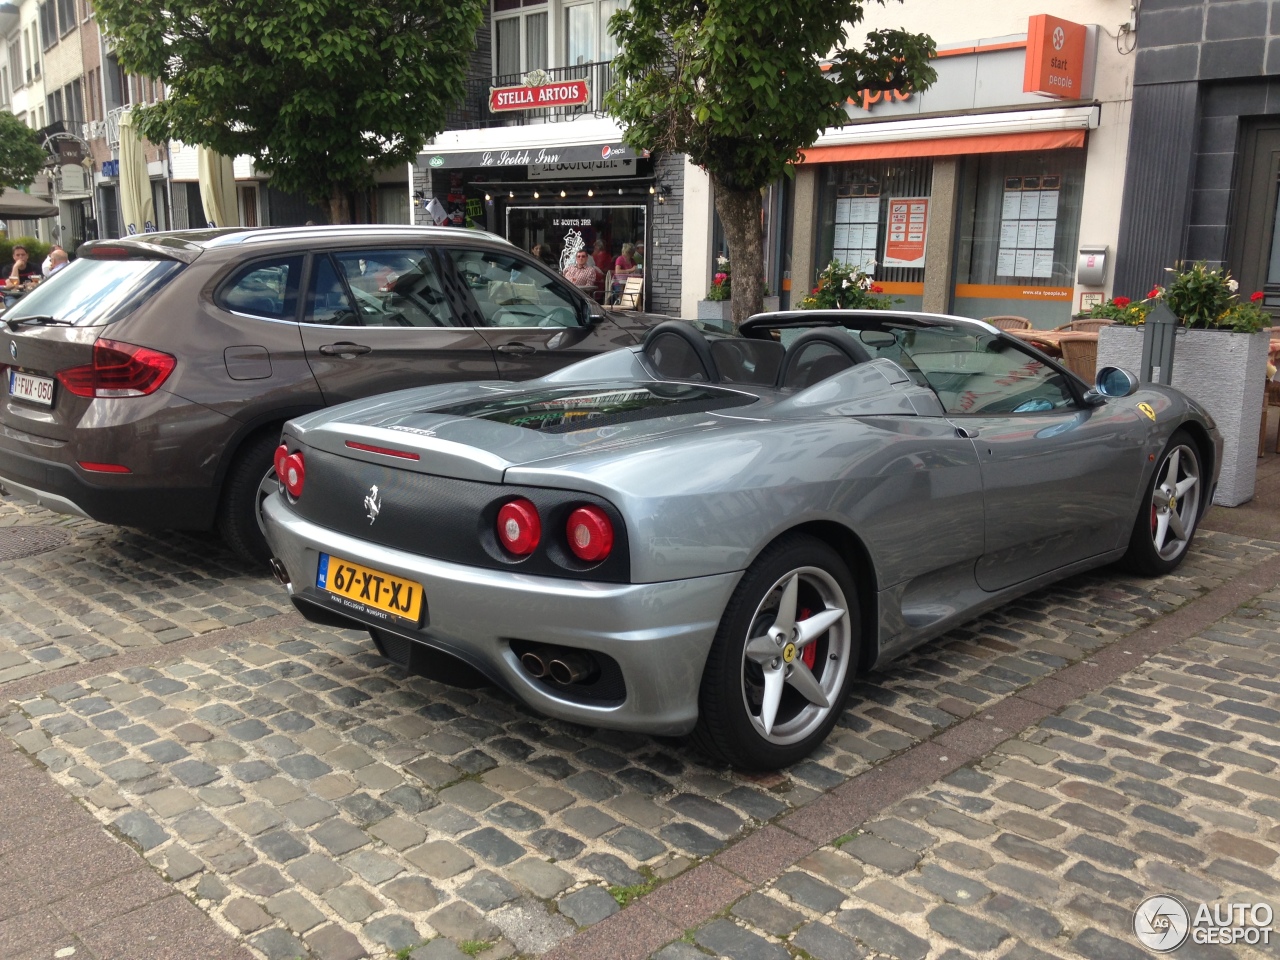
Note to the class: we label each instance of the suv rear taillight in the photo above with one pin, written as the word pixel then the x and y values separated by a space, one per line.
pixel 118 370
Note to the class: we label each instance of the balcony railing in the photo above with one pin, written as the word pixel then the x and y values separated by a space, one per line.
pixel 113 126
pixel 473 111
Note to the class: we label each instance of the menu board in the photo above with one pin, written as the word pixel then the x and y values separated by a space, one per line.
pixel 1028 226
pixel 857 232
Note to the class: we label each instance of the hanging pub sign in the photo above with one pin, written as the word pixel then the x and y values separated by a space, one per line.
pixel 561 93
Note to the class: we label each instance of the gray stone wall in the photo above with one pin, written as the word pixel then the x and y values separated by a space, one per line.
pixel 663 269
pixel 1201 65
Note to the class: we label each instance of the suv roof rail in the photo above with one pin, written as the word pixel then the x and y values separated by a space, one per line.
pixel 338 230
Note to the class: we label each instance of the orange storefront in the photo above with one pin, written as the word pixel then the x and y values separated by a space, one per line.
pixel 965 198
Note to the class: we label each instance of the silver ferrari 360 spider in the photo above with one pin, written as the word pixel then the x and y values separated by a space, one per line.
pixel 713 535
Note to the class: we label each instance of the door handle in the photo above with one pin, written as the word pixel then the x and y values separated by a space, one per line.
pixel 516 349
pixel 967 433
pixel 344 349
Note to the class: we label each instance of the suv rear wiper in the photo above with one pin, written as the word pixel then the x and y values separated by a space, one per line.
pixel 39 321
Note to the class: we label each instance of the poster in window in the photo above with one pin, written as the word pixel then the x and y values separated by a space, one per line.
pixel 1008 233
pixel 842 235
pixel 1042 264
pixel 908 227
pixel 1046 231
pixel 1030 205
pixel 1048 204
pixel 1005 262
pixel 1026 234
pixel 844 211
pixel 1012 208
pixel 1023 263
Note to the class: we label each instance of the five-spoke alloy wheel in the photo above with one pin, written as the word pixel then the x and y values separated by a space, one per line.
pixel 783 658
pixel 1167 518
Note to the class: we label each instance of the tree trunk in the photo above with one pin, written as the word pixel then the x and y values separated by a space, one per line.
pixel 744 231
pixel 339 208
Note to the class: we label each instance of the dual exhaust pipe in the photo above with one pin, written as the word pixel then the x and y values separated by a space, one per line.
pixel 561 665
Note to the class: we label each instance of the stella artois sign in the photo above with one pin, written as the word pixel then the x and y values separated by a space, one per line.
pixel 538 91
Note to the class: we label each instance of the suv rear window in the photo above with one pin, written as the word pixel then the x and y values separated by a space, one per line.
pixel 87 292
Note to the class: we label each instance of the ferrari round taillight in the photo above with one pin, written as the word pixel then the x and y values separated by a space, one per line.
pixel 294 475
pixel 519 528
pixel 590 534
pixel 281 452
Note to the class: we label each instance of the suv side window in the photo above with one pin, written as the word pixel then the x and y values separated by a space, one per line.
pixel 265 288
pixel 395 288
pixel 328 301
pixel 513 293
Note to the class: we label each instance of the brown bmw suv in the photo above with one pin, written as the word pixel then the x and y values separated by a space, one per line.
pixel 146 383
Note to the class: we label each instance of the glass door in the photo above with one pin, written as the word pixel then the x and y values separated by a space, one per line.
pixel 580 34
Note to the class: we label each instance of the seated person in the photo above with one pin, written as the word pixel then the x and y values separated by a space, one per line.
pixel 584 274
pixel 624 266
pixel 600 254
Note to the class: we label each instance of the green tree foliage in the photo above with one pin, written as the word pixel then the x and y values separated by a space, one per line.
pixel 740 87
pixel 21 155
pixel 320 93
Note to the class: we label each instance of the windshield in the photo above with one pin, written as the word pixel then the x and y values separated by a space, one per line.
pixel 581 408
pixel 87 292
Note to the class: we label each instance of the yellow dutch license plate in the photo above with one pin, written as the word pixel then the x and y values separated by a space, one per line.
pixel 365 586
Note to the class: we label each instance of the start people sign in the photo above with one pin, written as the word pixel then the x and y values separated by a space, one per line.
pixel 565 93
pixel 1055 58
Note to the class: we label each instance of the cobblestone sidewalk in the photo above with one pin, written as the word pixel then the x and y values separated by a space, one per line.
pixel 316 802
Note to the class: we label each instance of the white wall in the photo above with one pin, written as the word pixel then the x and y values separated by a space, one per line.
pixel 695 253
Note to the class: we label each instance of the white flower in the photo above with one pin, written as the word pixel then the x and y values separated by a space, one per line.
pixel 865 283
pixel 845 285
pixel 1232 286
pixel 722 260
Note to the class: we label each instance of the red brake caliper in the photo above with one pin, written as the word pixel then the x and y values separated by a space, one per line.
pixel 809 654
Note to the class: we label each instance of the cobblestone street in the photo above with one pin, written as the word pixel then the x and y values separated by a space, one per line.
pixel 1011 790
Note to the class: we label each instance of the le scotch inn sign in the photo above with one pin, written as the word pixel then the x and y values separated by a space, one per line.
pixel 563 93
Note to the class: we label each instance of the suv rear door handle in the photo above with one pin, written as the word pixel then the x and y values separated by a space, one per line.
pixel 344 349
pixel 516 349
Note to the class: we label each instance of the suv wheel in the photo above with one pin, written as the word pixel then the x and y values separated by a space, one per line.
pixel 251 478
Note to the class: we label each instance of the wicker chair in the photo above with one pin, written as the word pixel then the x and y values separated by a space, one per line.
pixel 1085 326
pixel 1081 358
pixel 1009 323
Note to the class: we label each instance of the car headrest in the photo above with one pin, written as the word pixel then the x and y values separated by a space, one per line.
pixel 819 354
pixel 674 350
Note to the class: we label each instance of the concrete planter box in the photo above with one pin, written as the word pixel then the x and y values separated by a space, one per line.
pixel 1224 373
pixel 717 313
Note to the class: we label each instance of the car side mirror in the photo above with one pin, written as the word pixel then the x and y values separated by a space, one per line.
pixel 595 319
pixel 1114 382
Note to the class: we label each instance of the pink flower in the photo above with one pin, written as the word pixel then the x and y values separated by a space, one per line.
pixel 1256 296
pixel 720 278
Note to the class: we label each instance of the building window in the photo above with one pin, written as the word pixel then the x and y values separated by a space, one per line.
pixel 67 16
pixel 586 31
pixel 48 24
pixel 4 86
pixel 1018 232
pixel 520 42
pixel 854 210
pixel 15 63
pixel 54 103
pixel 74 99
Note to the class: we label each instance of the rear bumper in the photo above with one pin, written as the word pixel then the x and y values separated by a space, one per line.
pixel 659 633
pixel 63 489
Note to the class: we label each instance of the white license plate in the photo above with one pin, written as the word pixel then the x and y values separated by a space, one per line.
pixel 35 389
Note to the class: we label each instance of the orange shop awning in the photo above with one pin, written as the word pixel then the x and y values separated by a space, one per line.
pixel 947 146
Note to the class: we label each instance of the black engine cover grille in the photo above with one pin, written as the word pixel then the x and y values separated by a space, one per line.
pixel 449 519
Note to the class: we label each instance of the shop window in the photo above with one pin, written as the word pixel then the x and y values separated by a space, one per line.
pixel 858 202
pixel 557 232
pixel 1018 234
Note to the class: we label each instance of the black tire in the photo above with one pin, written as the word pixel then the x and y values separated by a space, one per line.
pixel 241 494
pixel 731 703
pixel 1154 523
